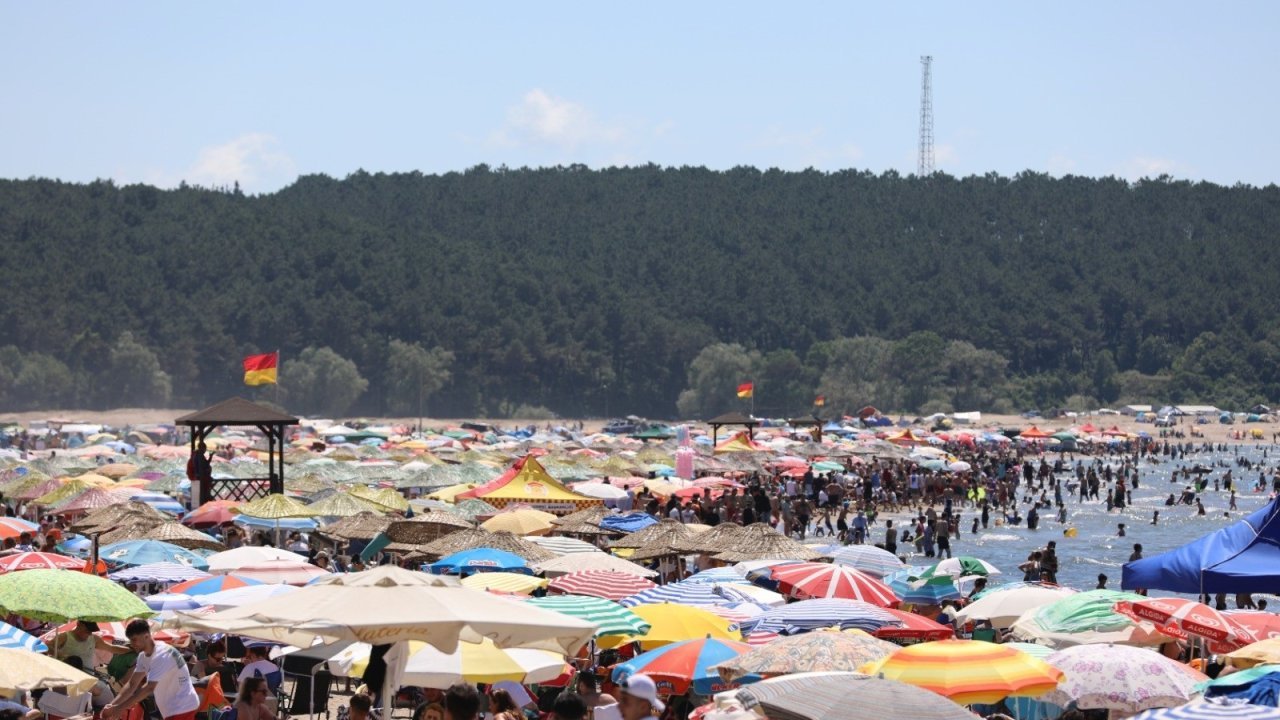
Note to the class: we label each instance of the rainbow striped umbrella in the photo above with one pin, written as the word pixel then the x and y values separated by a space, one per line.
pixel 678 666
pixel 968 671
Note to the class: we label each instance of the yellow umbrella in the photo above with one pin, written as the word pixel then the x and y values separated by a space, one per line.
pixel 1263 652
pixel 672 623
pixel 25 670
pixel 274 507
pixel 68 490
pixel 525 521
pixel 448 494
pixel 968 671
pixel 388 498
pixel 117 470
pixel 481 662
pixel 504 582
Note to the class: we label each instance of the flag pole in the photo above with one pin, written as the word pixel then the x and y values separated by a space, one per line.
pixel 277 393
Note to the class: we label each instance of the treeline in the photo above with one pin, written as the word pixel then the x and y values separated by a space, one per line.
pixel 605 292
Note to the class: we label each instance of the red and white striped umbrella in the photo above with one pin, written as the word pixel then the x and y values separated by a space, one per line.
pixel 39 561
pixel 1260 624
pixel 1187 617
pixel 607 584
pixel 807 581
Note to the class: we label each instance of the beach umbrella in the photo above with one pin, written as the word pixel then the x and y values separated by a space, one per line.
pixel 610 617
pixel 959 566
pixel 1262 652
pixel 388 498
pixel 12 528
pixel 59 595
pixel 867 558
pixel 115 631
pixel 670 623
pixel 38 561
pixel 1260 624
pixel 691 594
pixel 230 561
pixel 480 560
pixel 288 572
pixel 593 562
pixel 718 576
pixel 145 552
pixel 1086 618
pixel 607 584
pixel 508 582
pixel 340 504
pixel 1179 617
pixel 806 581
pixel 806 615
pixel 525 521
pixel 1208 710
pixel 480 662
pixel 274 507
pixel 237 596
pixel 677 667
pixel 1003 609
pixel 159 572
pixel 171 601
pixel 811 652
pixel 1122 678
pixel 13 638
pixel 564 545
pixel 968 671
pixel 914 628
pixel 388 604
pixel 212 514
pixel 924 592
pixel 213 584
pixel 599 490
pixel 845 696
pixel 22 670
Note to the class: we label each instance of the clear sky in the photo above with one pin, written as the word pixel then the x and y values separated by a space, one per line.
pixel 260 92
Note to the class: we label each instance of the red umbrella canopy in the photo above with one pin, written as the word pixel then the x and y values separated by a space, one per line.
pixel 914 627
pixel 211 514
pixel 39 561
pixel 1179 617
pixel 806 581
pixel 607 584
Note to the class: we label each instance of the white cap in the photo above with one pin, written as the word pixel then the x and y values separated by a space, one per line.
pixel 643 687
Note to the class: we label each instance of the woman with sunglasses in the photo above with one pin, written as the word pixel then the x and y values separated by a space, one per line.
pixel 251 703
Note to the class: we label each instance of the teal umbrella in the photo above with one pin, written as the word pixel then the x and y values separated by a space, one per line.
pixel 1086 611
pixel 131 553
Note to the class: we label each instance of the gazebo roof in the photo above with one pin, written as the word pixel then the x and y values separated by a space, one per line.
pixel 237 411
pixel 734 418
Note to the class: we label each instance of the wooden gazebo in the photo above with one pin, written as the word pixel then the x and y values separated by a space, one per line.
pixel 238 411
pixel 813 421
pixel 732 418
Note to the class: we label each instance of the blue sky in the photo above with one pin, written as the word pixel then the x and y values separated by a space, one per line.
pixel 260 92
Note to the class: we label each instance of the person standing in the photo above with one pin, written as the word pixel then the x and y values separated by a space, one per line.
pixel 160 671
pixel 890 537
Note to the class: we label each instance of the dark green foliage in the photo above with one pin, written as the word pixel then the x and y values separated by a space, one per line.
pixel 589 292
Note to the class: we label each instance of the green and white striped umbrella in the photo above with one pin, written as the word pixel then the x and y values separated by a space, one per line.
pixel 612 618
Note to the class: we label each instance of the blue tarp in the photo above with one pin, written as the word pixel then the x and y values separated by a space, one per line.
pixel 1239 558
pixel 628 523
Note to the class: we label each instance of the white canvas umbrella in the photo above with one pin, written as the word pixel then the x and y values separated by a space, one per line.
pixel 231 560
pixel 1003 608
pixel 578 562
pixel 26 670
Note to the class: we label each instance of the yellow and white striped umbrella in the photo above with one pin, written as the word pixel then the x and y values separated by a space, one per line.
pixel 481 662
pixel 504 582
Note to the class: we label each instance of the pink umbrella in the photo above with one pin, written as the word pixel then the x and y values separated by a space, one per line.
pixel 607 584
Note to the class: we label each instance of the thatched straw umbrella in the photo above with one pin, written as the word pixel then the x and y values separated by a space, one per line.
pixel 477 538
pixel 425 528
pixel 182 536
pixel 127 513
pixel 712 541
pixel 665 530
pixel 364 526
pixel 762 542
pixel 592 515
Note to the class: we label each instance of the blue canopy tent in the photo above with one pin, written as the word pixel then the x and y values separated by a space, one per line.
pixel 1239 558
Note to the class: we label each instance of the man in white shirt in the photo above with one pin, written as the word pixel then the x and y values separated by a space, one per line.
pixel 160 670
pixel 257 665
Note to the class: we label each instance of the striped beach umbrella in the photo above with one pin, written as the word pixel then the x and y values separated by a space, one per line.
pixel 807 581
pixel 507 582
pixel 691 594
pixel 12 637
pixel 171 601
pixel 867 558
pixel 968 671
pixel 845 696
pixel 1179 617
pixel 607 584
pixel 677 667
pixel 38 561
pixel 12 527
pixel 563 545
pixel 159 572
pixel 612 618
pixel 807 615
pixel 212 584
pixel 1206 710
pixel 718 575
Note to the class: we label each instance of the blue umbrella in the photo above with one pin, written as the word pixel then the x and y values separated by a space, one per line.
pixel 928 593
pixel 718 575
pixel 807 615
pixel 1202 710
pixel 480 560
pixel 12 637
pixel 171 601
pixel 282 523
pixel 676 667
pixel 627 523
pixel 144 552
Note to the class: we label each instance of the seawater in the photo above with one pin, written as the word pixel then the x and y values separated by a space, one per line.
pixel 1096 548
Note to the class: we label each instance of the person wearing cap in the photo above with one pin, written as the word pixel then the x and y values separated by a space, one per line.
pixel 80 641
pixel 639 699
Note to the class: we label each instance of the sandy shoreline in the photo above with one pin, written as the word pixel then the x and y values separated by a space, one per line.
pixel 1213 431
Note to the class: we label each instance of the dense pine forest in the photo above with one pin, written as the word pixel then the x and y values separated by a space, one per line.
pixel 643 290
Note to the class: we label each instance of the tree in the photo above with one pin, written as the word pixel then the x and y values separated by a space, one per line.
pixel 857 375
pixel 321 381
pixel 1106 385
pixel 714 377
pixel 136 377
pixel 414 374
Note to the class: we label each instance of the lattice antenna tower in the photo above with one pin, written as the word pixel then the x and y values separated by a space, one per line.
pixel 924 162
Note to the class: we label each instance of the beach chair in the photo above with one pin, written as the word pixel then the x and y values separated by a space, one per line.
pixel 310 694
pixel 57 706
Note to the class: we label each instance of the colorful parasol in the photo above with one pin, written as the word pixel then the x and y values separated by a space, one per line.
pixel 968 671
pixel 680 666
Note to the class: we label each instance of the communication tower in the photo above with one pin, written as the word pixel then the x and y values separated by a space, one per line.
pixel 924 163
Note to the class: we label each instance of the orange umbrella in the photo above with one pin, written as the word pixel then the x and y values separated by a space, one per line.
pixel 968 671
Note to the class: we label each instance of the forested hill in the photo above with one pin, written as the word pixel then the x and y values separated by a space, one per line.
pixel 593 292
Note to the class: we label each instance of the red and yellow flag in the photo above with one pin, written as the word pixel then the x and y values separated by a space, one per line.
pixel 746 389
pixel 820 401
pixel 261 369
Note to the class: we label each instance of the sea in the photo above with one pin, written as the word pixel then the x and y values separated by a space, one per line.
pixel 1096 546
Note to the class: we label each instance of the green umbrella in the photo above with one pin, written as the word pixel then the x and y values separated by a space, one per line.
pixel 960 566
pixel 1086 611
pixel 61 595
pixel 612 618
